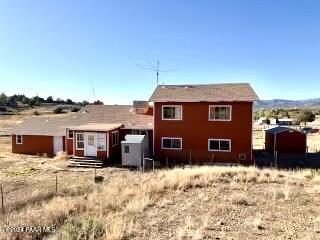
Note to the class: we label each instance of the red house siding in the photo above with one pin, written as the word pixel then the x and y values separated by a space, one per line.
pixel 114 151
pixel 33 145
pixel 287 142
pixel 195 129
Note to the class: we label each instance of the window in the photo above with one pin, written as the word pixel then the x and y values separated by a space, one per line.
pixel 70 134
pixel 101 141
pixel 220 113
pixel 115 138
pixel 80 141
pixel 19 139
pixel 91 141
pixel 171 143
pixel 219 145
pixel 126 149
pixel 171 112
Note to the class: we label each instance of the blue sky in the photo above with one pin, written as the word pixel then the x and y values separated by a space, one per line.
pixel 59 47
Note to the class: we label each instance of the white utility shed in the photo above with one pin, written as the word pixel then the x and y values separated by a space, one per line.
pixel 133 149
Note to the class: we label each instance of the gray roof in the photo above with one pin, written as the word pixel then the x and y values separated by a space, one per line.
pixel 92 114
pixel 123 114
pixel 278 129
pixel 229 92
pixel 44 125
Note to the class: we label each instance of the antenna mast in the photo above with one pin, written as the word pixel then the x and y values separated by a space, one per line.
pixel 152 67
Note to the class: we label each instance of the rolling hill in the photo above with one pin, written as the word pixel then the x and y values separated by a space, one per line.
pixel 283 103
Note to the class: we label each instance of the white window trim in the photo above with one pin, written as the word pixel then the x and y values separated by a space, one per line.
pixel 165 119
pixel 171 139
pixel 17 139
pixel 117 143
pixel 220 120
pixel 216 139
pixel 105 142
pixel 84 142
pixel 68 134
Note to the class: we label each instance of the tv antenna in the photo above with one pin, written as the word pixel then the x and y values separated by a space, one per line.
pixel 155 68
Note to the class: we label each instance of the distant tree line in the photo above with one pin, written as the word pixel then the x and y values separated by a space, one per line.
pixel 298 115
pixel 12 101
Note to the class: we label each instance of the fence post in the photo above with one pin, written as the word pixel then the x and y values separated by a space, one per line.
pixel 167 162
pixel 143 163
pixel 56 184
pixel 276 159
pixel 2 203
pixel 153 165
pixel 190 155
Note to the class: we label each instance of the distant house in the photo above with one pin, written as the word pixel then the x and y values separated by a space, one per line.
pixel 262 120
pixel 181 123
pixel 284 140
pixel 282 121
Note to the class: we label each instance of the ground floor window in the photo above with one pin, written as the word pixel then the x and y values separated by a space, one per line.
pixel 80 141
pixel 115 138
pixel 19 139
pixel 101 141
pixel 171 143
pixel 219 145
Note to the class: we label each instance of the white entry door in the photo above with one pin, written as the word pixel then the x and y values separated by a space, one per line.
pixel 91 144
pixel 57 145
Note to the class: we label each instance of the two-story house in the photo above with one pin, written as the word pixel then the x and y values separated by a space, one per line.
pixel 203 123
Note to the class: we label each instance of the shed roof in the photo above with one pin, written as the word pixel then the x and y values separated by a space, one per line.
pixel 228 92
pixel 97 127
pixel 133 139
pixel 279 129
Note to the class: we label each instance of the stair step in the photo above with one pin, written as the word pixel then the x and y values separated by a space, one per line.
pixel 84 165
pixel 89 158
pixel 89 163
pixel 86 160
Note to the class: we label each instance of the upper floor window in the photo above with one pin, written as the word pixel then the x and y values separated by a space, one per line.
pixel 219 113
pixel 219 145
pixel 19 139
pixel 115 138
pixel 172 112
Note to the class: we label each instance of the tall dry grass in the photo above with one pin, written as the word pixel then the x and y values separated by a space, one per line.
pixel 112 207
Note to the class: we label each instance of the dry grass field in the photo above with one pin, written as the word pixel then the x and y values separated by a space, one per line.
pixel 190 203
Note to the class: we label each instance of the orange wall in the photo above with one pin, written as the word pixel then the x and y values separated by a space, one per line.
pixel 33 145
pixel 195 129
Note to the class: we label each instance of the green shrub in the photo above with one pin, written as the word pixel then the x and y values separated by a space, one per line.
pixel 75 109
pixel 36 113
pixel 58 110
pixel 82 228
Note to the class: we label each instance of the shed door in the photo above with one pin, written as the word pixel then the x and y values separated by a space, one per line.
pixel 57 145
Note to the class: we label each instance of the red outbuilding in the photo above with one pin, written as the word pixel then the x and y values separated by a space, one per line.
pixel 285 140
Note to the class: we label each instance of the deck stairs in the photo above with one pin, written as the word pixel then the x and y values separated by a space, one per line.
pixel 87 162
